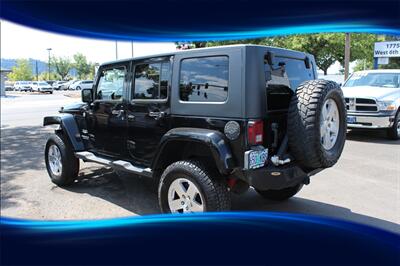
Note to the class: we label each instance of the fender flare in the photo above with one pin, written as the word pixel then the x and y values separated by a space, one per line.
pixel 213 139
pixel 69 126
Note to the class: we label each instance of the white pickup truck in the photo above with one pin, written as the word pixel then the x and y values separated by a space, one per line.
pixel 373 100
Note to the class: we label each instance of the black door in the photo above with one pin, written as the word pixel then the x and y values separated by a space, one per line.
pixel 107 124
pixel 148 112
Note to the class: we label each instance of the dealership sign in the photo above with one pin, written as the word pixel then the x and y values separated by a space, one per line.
pixel 387 49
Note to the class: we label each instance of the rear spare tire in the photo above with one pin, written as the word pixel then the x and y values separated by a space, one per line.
pixel 317 124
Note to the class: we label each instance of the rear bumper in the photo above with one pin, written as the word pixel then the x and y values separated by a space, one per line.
pixel 272 177
pixel 374 121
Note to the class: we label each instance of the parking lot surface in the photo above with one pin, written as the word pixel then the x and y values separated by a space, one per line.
pixel 363 187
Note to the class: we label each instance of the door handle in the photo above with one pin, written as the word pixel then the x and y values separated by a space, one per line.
pixel 117 112
pixel 157 115
pixel 131 117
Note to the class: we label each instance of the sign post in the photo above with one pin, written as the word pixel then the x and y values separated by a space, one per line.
pixel 384 50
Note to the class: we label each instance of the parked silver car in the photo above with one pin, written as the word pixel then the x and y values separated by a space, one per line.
pixel 373 100
pixel 41 86
pixel 22 86
pixel 81 84
pixel 58 84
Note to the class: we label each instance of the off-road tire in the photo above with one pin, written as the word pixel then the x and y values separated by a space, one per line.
pixel 70 164
pixel 280 194
pixel 304 124
pixel 392 131
pixel 212 186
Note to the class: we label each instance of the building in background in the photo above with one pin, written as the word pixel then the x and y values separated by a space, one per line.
pixel 3 77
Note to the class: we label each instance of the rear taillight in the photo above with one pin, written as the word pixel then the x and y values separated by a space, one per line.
pixel 255 132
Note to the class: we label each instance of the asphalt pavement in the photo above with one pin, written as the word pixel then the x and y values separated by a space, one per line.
pixel 364 186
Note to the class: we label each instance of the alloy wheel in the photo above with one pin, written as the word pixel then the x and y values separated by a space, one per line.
pixel 185 197
pixel 54 159
pixel 329 124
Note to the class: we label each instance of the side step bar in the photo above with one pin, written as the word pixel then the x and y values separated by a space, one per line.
pixel 118 164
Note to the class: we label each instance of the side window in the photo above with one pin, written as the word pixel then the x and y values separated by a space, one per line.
pixel 204 79
pixel 111 84
pixel 151 80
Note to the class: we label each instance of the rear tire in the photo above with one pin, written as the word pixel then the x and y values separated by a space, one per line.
pixel 189 186
pixel 394 132
pixel 61 163
pixel 280 194
pixel 317 124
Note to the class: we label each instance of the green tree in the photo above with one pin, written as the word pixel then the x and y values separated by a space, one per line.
pixel 45 76
pixel 318 45
pixel 61 65
pixel 327 48
pixel 22 71
pixel 82 66
pixel 362 46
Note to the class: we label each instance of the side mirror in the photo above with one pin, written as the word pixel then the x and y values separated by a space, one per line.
pixel 87 95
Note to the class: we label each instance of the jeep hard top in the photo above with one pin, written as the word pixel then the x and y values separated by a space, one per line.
pixel 205 123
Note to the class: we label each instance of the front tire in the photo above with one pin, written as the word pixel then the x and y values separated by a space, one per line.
pixel 61 163
pixel 394 131
pixel 188 186
pixel 280 194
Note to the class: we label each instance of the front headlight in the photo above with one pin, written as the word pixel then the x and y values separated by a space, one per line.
pixel 386 105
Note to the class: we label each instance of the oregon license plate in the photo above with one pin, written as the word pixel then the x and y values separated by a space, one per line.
pixel 256 158
pixel 351 119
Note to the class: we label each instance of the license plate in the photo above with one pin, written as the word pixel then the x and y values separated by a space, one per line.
pixel 256 158
pixel 351 119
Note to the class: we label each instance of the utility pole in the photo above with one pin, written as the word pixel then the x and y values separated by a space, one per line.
pixel 48 65
pixel 116 50
pixel 37 72
pixel 346 56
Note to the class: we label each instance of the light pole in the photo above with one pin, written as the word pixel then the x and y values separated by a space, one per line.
pixel 116 50
pixel 347 56
pixel 48 65
pixel 132 48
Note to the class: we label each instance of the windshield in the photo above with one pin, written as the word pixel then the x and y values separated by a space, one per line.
pixel 387 80
pixel 43 83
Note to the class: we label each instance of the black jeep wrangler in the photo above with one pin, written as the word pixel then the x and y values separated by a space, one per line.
pixel 205 123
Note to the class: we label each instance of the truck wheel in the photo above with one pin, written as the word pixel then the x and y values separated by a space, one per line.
pixel 280 194
pixel 188 186
pixel 317 124
pixel 61 163
pixel 394 131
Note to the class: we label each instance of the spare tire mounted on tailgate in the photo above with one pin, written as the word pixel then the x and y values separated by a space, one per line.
pixel 317 124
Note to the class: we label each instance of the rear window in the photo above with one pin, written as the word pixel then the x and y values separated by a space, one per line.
pixel 204 79
pixel 291 70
